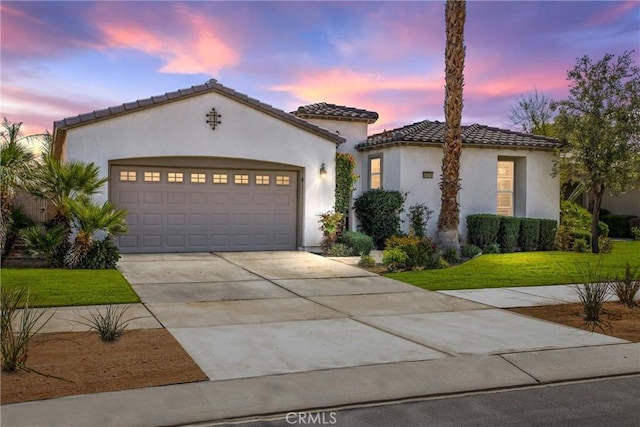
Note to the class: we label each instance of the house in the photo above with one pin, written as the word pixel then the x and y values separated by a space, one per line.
pixel 211 169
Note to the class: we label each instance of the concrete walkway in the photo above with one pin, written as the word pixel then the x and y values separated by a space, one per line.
pixel 283 331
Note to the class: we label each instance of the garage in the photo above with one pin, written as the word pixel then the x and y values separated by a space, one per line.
pixel 195 209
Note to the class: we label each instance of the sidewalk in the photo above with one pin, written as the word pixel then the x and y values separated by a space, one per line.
pixel 302 332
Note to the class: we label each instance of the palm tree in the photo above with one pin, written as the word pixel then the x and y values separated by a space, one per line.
pixel 449 218
pixel 16 161
pixel 88 219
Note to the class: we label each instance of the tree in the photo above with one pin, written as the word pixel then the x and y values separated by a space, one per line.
pixel 16 164
pixel 600 121
pixel 532 113
pixel 449 218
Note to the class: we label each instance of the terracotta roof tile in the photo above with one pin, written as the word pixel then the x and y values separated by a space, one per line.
pixel 333 111
pixel 432 132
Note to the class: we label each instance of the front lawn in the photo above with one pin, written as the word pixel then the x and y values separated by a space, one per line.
pixel 521 269
pixel 59 287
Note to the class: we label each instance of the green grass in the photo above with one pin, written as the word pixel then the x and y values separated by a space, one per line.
pixel 58 287
pixel 521 269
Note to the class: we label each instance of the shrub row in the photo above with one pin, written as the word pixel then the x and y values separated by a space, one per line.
pixel 619 225
pixel 510 233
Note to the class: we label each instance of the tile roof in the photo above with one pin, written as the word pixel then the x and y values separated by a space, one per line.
pixel 333 111
pixel 212 85
pixel 432 132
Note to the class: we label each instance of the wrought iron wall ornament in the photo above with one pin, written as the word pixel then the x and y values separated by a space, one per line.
pixel 213 118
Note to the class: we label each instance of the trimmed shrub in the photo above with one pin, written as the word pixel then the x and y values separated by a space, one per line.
pixel 419 215
pixel 360 243
pixel 603 229
pixel 482 229
pixel 618 225
pixel 103 255
pixel 331 224
pixel 379 213
pixel 529 234
pixel 367 261
pixel 418 251
pixel 394 259
pixel 339 250
pixel 452 256
pixel 470 251
pixel 581 245
pixel 605 245
pixel 493 248
pixel 508 234
pixel 547 238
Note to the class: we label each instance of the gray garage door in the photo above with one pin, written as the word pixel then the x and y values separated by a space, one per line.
pixel 177 209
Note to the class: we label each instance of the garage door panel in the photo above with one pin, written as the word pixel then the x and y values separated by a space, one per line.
pixel 207 211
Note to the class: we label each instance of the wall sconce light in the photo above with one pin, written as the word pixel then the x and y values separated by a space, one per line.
pixel 427 175
pixel 323 171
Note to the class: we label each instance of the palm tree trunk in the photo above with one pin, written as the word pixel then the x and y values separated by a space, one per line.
pixel 449 218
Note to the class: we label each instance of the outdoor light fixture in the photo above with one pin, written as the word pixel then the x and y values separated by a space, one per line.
pixel 323 171
pixel 213 118
pixel 426 174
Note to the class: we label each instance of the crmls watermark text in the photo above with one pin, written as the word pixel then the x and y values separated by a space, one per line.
pixel 310 418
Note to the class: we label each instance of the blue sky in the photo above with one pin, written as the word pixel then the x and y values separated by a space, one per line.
pixel 60 59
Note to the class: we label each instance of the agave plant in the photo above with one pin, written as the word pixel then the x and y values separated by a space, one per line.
pixel 89 218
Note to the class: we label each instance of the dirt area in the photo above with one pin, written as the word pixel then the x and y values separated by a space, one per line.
pixel 624 322
pixel 140 358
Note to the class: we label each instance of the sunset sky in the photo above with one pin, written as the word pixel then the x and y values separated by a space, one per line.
pixel 60 59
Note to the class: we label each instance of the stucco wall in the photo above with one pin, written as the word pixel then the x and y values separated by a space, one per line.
pixel 624 204
pixel 180 129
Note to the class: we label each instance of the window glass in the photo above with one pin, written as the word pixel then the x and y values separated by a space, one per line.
pixel 219 178
pixel 504 198
pixel 152 176
pixel 240 179
pixel 375 173
pixel 175 177
pixel 198 178
pixel 128 175
pixel 262 179
pixel 282 180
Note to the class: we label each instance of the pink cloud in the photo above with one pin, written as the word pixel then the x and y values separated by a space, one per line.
pixel 612 14
pixel 193 45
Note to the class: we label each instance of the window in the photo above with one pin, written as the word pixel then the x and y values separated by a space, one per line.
pixel 241 179
pixel 219 178
pixel 198 178
pixel 175 177
pixel 127 175
pixel 262 179
pixel 504 198
pixel 375 172
pixel 152 176
pixel 282 180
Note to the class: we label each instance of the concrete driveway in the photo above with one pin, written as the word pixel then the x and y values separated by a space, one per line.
pixel 243 315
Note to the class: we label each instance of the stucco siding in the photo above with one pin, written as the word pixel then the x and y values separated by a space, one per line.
pixel 623 204
pixel 180 129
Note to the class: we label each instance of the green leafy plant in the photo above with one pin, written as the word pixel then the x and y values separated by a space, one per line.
pixel 111 325
pixel 340 250
pixel 103 255
pixel 636 233
pixel 529 234
pixel 394 259
pixel 628 285
pixel 379 213
pixel 605 244
pixel 508 234
pixel 493 248
pixel 345 182
pixel 547 238
pixel 581 246
pixel 360 243
pixel 44 242
pixel 451 255
pixel 418 250
pixel 482 229
pixel 470 251
pixel 419 215
pixel 367 261
pixel 593 293
pixel 18 324
pixel 330 225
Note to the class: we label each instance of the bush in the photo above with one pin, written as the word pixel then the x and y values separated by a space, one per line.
pixel 419 215
pixel 508 234
pixel 379 214
pixel 418 250
pixel 394 259
pixel 470 251
pixel 18 221
pixel 574 216
pixel 44 242
pixel 103 255
pixel 440 263
pixel 636 233
pixel 482 229
pixel 603 229
pixel 581 246
pixel 618 225
pixel 605 245
pixel 547 238
pixel 529 234
pixel 360 243
pixel 331 224
pixel 339 250
pixel 627 287
pixel 493 248
pixel 451 256
pixel 367 261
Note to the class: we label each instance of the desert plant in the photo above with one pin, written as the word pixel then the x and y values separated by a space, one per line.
pixel 18 324
pixel 109 326
pixel 451 255
pixel 379 213
pixel 493 248
pixel 419 215
pixel 367 261
pixel 593 293
pixel 627 287
pixel 470 251
pixel 360 243
pixel 340 250
pixel 394 259
pixel 330 225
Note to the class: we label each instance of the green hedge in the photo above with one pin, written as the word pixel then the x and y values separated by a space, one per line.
pixel 547 238
pixel 529 234
pixel 618 225
pixel 360 243
pixel 508 234
pixel 379 213
pixel 482 229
